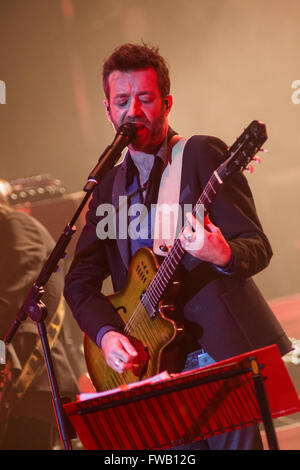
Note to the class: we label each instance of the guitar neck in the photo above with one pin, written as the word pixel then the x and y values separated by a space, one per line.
pixel 170 263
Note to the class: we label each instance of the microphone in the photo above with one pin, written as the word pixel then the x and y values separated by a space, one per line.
pixel 125 134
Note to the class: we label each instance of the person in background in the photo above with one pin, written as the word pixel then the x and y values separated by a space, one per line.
pixel 28 422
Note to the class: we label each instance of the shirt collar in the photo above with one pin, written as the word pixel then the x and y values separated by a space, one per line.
pixel 129 166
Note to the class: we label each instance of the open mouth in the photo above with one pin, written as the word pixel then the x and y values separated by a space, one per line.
pixel 140 128
pixel 139 125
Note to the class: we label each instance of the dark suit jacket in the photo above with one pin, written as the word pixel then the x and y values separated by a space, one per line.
pixel 224 313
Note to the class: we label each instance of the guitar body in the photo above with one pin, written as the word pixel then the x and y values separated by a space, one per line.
pixel 148 335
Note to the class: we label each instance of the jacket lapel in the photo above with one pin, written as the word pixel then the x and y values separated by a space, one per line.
pixel 119 201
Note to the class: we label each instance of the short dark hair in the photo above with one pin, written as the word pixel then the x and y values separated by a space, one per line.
pixel 135 57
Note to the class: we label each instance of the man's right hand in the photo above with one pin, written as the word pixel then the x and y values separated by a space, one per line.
pixel 118 351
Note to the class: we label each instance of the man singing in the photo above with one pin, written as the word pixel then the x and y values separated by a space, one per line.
pixel 222 310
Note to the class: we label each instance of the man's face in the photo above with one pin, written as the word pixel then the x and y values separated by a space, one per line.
pixel 135 97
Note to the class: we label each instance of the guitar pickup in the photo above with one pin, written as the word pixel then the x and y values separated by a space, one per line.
pixel 151 310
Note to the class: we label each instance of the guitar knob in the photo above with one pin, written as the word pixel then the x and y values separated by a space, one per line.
pixel 164 248
pixel 250 169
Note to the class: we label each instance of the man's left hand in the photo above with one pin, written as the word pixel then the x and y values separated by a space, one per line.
pixel 205 242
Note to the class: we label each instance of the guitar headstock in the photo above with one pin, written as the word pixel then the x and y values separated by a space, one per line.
pixel 244 149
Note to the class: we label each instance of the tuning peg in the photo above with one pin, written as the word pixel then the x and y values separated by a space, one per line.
pixel 264 150
pixel 257 159
pixel 250 169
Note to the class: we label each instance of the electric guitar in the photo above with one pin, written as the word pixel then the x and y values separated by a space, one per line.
pixel 141 305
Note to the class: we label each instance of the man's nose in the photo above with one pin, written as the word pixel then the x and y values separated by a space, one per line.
pixel 134 107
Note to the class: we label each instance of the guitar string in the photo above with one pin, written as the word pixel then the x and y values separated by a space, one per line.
pixel 153 294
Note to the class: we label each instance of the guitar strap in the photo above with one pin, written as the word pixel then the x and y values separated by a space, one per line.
pixel 35 362
pixel 168 208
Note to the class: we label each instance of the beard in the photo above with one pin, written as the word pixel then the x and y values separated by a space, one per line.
pixel 150 134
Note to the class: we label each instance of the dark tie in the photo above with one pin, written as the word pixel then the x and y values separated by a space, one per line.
pixel 153 183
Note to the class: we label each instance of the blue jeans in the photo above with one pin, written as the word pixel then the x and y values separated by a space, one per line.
pixel 246 438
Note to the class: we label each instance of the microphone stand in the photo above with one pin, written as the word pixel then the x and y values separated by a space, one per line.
pixel 33 305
